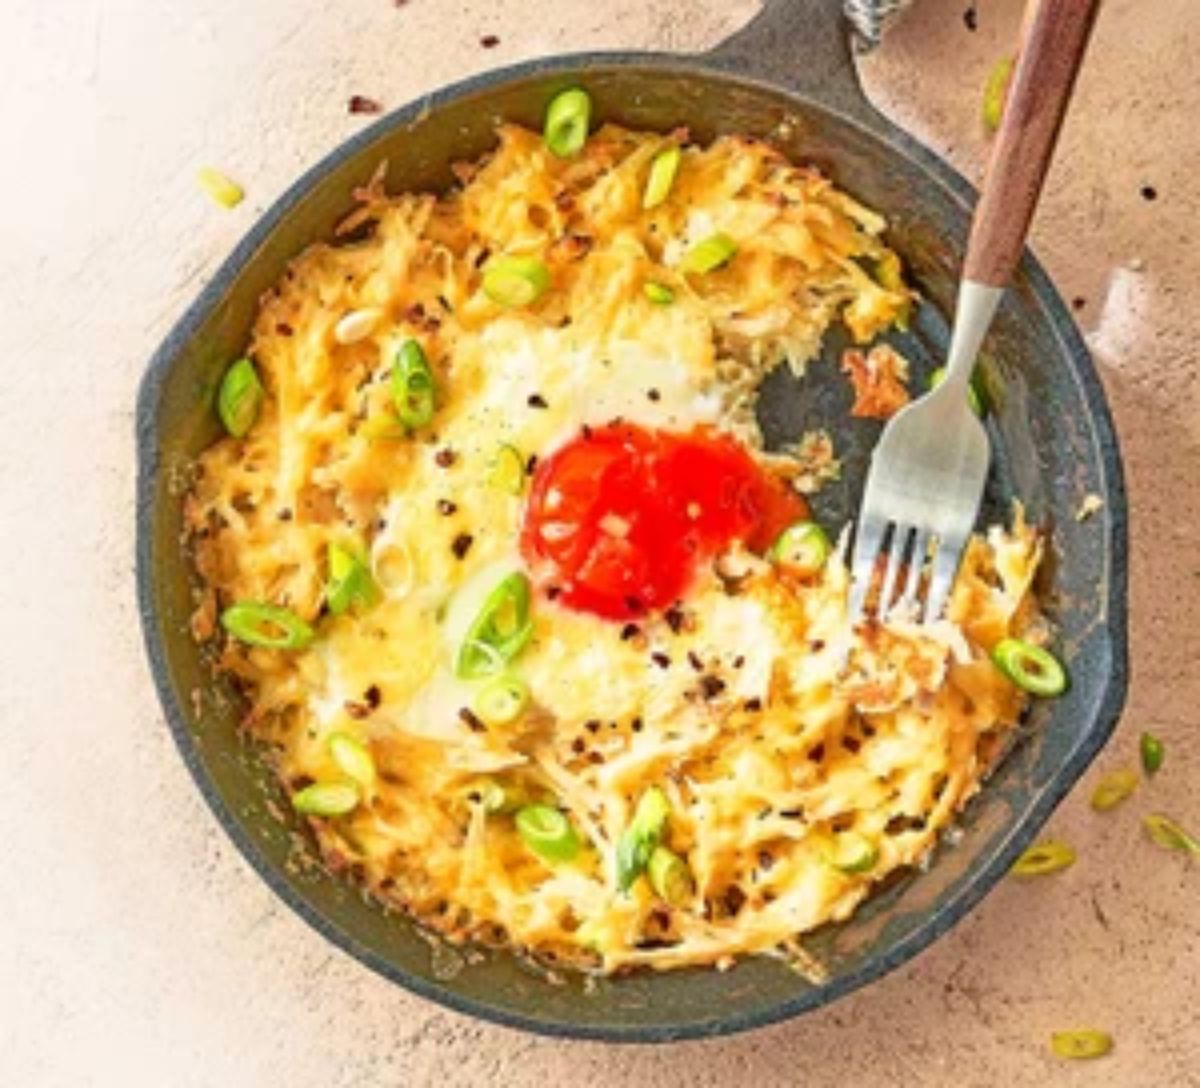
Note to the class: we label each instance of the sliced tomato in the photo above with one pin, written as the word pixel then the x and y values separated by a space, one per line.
pixel 619 518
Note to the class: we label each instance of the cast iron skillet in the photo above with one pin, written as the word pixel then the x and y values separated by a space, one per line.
pixel 789 76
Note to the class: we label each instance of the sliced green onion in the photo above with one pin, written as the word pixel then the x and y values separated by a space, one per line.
pixel 1113 789
pixel 640 838
pixel 499 631
pixel 663 168
pixel 413 388
pixel 240 397
pixel 328 799
pixel 567 119
pixel 508 470
pixel 1152 752
pixel 853 853
pixel 802 547
pixel 501 701
pixel 547 832
pixel 670 877
pixel 709 254
pixel 1045 857
pixel 973 398
pixel 1031 668
pixel 220 187
pixel 1080 1044
pixel 353 758
pixel 350 582
pixel 266 625
pixel 1169 835
pixel 515 281
pixel 658 293
pixel 995 91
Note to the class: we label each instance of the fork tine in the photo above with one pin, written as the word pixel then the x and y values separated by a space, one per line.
pixel 868 542
pixel 912 583
pixel 945 567
pixel 900 538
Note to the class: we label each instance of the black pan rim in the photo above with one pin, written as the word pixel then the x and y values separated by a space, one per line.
pixel 1107 709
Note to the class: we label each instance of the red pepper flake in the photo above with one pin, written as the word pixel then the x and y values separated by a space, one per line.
pixel 592 725
pixel 630 630
pixel 753 705
pixel 445 457
pixel 661 660
pixel 536 400
pixel 711 686
pixel 446 507
pixel 653 395
pixel 473 723
pixel 360 103
pixel 675 618
pixel 357 711
pixel 373 696
pixel 489 41
pixel 739 661
pixel 578 745
pixel 694 661
pixel 284 329
pixel 531 464
pixel 461 545
pixel 636 725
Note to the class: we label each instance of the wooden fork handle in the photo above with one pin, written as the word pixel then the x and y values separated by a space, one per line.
pixel 1054 37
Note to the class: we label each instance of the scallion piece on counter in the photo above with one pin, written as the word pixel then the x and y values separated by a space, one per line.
pixel 413 387
pixel 350 583
pixel 995 91
pixel 853 853
pixel 709 254
pixel 240 398
pixel 1043 858
pixel 353 758
pixel 514 281
pixel 220 187
pixel 1152 752
pixel 501 700
pixel 326 799
pixel 508 470
pixel 973 398
pixel 1113 789
pixel 639 839
pixel 499 631
pixel 267 626
pixel 802 548
pixel 658 293
pixel 663 168
pixel 1031 668
pixel 1080 1044
pixel 1169 835
pixel 547 832
pixel 670 877
pixel 567 120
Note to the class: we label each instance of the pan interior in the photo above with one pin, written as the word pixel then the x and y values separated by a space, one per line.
pixel 1047 452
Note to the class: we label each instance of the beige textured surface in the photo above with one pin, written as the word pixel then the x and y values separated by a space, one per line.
pixel 137 947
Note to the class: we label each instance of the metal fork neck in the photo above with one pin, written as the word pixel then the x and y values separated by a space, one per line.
pixel 973 315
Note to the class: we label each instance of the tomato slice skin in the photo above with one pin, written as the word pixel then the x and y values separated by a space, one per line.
pixel 619 519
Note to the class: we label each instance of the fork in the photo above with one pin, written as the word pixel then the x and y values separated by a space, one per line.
pixel 928 468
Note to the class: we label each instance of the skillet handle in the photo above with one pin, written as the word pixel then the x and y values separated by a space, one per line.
pixel 802 45
pixel 1053 39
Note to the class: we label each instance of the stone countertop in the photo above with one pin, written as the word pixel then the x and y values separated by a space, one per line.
pixel 138 947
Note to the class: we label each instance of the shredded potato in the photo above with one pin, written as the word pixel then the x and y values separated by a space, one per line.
pixel 771 726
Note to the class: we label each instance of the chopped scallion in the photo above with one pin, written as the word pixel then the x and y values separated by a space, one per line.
pixel 240 398
pixel 267 626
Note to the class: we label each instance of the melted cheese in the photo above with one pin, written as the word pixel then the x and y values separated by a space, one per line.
pixel 770 724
